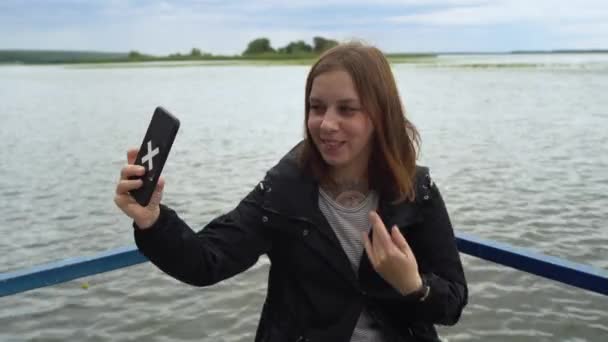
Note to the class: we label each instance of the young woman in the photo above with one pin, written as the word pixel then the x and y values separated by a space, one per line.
pixel 359 239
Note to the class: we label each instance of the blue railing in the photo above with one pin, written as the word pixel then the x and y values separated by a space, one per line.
pixel 581 276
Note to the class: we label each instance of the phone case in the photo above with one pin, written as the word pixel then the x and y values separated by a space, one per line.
pixel 154 151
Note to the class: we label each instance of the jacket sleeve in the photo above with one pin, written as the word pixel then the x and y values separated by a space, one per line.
pixel 434 246
pixel 228 245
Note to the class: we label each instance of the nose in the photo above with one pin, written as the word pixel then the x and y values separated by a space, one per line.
pixel 330 121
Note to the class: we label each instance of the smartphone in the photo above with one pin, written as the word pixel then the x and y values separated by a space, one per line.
pixel 154 151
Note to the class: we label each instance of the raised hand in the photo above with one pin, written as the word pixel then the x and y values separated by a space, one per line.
pixel 392 257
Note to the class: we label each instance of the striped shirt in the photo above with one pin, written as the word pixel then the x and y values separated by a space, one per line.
pixel 349 224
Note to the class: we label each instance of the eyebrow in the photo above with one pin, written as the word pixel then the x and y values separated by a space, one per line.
pixel 342 101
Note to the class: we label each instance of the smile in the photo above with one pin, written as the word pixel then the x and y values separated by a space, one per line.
pixel 332 144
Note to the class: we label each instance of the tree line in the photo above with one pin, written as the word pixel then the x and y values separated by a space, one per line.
pixel 258 46
pixel 262 46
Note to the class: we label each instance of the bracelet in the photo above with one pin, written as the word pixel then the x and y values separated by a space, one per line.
pixel 425 294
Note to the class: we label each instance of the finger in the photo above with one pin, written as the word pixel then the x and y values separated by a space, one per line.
pixel 123 200
pixel 380 233
pixel 398 239
pixel 369 249
pixel 132 171
pixel 402 243
pixel 157 196
pixel 160 186
pixel 378 247
pixel 131 155
pixel 124 186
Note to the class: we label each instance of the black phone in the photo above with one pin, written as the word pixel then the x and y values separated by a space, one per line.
pixel 154 151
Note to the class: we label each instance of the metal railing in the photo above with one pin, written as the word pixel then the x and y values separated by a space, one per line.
pixel 563 271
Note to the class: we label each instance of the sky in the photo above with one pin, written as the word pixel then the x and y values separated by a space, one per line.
pixel 226 26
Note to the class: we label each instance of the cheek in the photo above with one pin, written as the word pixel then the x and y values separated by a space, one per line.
pixel 313 124
pixel 361 130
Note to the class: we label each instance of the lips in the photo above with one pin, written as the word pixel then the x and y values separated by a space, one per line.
pixel 331 144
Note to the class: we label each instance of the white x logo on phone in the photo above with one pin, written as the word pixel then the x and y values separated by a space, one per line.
pixel 148 157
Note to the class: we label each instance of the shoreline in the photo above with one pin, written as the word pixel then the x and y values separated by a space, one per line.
pixel 43 57
pixel 266 59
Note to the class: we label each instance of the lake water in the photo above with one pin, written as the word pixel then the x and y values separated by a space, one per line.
pixel 519 149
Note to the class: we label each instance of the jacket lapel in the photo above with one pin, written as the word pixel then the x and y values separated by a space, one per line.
pixel 402 214
pixel 299 200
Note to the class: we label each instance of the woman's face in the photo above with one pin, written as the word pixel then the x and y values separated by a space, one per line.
pixel 339 127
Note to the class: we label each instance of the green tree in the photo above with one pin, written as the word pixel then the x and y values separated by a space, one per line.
pixel 195 52
pixel 299 46
pixel 258 46
pixel 321 44
pixel 135 55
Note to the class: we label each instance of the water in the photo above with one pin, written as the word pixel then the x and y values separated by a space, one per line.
pixel 520 155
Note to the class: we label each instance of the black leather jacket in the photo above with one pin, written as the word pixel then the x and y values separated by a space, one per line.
pixel 313 292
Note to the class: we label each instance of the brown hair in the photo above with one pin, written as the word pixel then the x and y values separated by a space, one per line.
pixel 392 165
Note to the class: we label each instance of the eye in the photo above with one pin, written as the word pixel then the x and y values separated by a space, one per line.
pixel 317 108
pixel 347 110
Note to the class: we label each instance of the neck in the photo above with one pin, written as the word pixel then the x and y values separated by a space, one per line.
pixel 347 187
pixel 341 175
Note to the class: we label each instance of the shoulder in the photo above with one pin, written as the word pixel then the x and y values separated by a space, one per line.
pixel 288 169
pixel 286 178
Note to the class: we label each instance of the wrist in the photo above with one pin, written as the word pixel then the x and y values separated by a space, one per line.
pixel 148 222
pixel 412 286
pixel 422 292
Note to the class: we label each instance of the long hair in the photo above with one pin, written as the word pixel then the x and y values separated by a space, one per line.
pixel 395 141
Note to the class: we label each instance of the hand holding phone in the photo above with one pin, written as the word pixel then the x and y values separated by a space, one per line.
pixel 139 190
pixel 154 152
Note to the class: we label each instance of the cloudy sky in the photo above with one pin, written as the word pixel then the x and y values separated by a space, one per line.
pixel 225 26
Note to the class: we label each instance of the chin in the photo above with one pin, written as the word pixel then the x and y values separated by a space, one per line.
pixel 334 161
